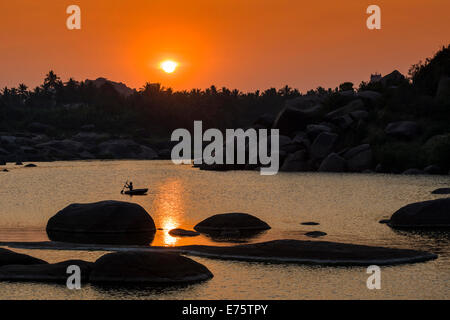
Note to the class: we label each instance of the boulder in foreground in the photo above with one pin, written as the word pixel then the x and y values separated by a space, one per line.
pixel 147 268
pixel 310 252
pixel 8 257
pixel 426 214
pixel 44 272
pixel 231 223
pixel 109 222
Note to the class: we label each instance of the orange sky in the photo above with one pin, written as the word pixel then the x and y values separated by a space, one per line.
pixel 245 44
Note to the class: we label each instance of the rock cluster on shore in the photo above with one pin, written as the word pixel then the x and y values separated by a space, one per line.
pixel 84 145
pixel 341 132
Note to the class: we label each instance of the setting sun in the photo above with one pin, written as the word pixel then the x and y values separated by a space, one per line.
pixel 169 66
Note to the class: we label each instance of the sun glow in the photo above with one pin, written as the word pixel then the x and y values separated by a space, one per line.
pixel 169 66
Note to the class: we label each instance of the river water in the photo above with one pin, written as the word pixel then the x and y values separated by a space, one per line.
pixel 347 206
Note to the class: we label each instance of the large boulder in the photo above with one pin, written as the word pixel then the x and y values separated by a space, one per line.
pixel 119 149
pixel 395 78
pixel 286 144
pixel 66 145
pixel 266 120
pixel 352 106
pixel 110 222
pixel 359 115
pixel 372 96
pixel 333 163
pixel 433 169
pixel 323 145
pixel 40 127
pixel 343 122
pixel 413 171
pixel 313 130
pixel 402 129
pixel 296 116
pixel 147 153
pixel 426 214
pixel 231 223
pixel 359 158
pixel 56 272
pixel 8 257
pixel 89 136
pixel 295 162
pixel 302 139
pixel 147 268
pixel 443 91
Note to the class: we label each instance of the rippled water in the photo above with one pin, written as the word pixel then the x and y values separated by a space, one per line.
pixel 347 206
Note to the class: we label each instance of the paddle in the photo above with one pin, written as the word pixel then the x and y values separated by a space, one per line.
pixel 124 187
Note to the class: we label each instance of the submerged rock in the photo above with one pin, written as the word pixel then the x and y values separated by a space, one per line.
pixel 315 234
pixel 309 252
pixel 56 272
pixel 426 214
pixel 231 223
pixel 310 223
pixel 183 233
pixel 147 268
pixel 8 257
pixel 109 222
pixel 30 165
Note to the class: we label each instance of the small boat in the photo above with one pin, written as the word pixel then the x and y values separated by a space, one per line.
pixel 136 192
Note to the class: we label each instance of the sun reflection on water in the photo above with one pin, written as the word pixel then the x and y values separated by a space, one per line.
pixel 170 209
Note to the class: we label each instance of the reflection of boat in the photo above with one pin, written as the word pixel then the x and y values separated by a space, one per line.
pixel 136 192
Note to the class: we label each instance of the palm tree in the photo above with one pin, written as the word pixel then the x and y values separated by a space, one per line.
pixel 23 90
pixel 5 92
pixel 51 81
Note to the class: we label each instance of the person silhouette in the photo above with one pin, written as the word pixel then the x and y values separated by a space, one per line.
pixel 130 186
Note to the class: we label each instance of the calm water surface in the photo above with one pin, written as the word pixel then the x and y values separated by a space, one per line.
pixel 347 206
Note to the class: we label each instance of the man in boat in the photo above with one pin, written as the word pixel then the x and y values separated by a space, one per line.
pixel 129 186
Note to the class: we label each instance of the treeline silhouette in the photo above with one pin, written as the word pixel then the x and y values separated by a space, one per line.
pixel 154 111
pixel 67 106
